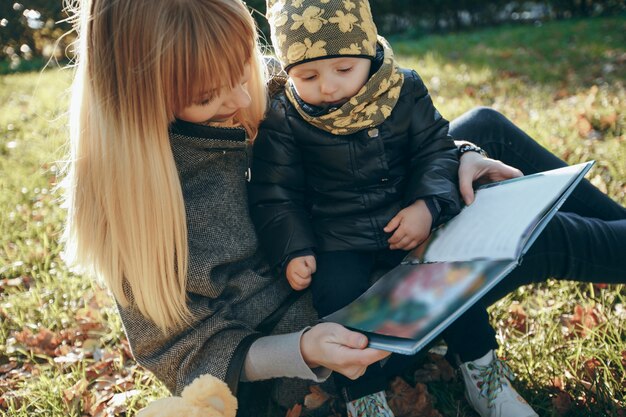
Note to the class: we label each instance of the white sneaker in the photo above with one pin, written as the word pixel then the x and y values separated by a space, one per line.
pixel 489 391
pixel 372 405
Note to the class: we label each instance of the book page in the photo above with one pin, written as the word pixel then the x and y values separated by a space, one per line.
pixel 495 225
pixel 411 304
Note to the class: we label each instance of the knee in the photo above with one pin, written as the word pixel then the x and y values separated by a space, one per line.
pixel 481 125
pixel 485 116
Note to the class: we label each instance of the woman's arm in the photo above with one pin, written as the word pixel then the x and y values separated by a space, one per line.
pixel 311 354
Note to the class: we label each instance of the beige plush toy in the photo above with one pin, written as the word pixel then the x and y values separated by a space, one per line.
pixel 206 396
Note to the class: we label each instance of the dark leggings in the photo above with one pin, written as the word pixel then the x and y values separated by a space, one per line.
pixel 585 241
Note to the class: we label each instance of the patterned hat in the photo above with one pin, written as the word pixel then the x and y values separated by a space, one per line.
pixel 305 30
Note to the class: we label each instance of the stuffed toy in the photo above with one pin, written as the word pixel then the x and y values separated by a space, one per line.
pixel 206 396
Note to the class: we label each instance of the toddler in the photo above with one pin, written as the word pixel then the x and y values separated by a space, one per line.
pixel 353 166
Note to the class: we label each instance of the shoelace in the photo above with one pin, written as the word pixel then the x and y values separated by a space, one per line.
pixel 491 376
pixel 370 405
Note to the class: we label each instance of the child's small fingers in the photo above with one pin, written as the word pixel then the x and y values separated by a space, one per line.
pixel 311 264
pixel 411 245
pixel 302 270
pixel 304 283
pixel 392 225
pixel 293 284
pixel 405 242
pixel 396 237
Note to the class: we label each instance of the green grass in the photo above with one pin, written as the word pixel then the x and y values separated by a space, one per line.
pixel 62 348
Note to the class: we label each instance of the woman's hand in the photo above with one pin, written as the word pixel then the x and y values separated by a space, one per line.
pixel 334 347
pixel 476 168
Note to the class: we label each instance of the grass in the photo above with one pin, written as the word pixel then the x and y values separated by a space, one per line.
pixel 62 347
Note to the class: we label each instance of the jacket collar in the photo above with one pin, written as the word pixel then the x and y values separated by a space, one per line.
pixel 184 128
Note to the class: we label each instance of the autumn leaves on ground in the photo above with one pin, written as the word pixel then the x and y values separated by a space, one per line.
pixel 62 348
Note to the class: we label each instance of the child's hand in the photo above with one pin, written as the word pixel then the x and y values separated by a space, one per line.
pixel 299 271
pixel 412 226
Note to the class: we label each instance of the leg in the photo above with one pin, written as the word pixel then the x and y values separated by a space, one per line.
pixel 340 278
pixel 574 248
pixel 504 141
pixel 471 335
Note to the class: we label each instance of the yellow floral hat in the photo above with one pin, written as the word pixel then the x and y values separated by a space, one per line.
pixel 305 30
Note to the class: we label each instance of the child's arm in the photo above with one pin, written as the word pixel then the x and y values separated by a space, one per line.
pixel 433 156
pixel 410 227
pixel 276 190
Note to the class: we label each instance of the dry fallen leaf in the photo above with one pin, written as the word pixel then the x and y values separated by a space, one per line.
pixel 316 398
pixel 562 403
pixel 43 342
pixel 75 391
pixel 517 318
pixel 407 401
pixel 583 320
pixel 437 369
pixel 584 126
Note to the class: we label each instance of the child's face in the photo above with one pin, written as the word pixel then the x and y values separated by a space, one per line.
pixel 331 81
pixel 222 107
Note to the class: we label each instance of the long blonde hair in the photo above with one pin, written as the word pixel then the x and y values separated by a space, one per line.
pixel 138 61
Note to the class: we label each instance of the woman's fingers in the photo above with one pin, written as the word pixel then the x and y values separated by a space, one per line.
pixel 475 167
pixel 339 349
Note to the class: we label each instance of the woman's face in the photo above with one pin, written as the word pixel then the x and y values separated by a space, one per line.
pixel 221 107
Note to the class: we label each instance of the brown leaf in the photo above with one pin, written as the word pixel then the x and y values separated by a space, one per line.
pixel 608 121
pixel 558 383
pixel 4 368
pixel 76 390
pixel 294 411
pixel 583 320
pixel 517 318
pixel 437 369
pixel 561 94
pixel 590 367
pixel 584 126
pixel 562 403
pixel 406 401
pixel 316 398
pixel 44 342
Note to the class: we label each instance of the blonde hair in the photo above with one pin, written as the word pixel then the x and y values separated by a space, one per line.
pixel 138 62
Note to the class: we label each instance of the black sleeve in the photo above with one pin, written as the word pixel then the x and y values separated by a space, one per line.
pixel 434 161
pixel 276 191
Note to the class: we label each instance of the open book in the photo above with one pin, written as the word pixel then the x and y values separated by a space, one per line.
pixel 413 303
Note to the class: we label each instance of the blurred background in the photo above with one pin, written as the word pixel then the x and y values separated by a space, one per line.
pixel 32 32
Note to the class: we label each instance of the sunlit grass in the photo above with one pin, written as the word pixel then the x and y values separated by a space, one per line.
pixel 563 83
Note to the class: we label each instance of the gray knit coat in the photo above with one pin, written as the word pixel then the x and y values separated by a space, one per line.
pixel 231 290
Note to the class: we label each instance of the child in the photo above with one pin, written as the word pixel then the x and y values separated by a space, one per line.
pixel 352 167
